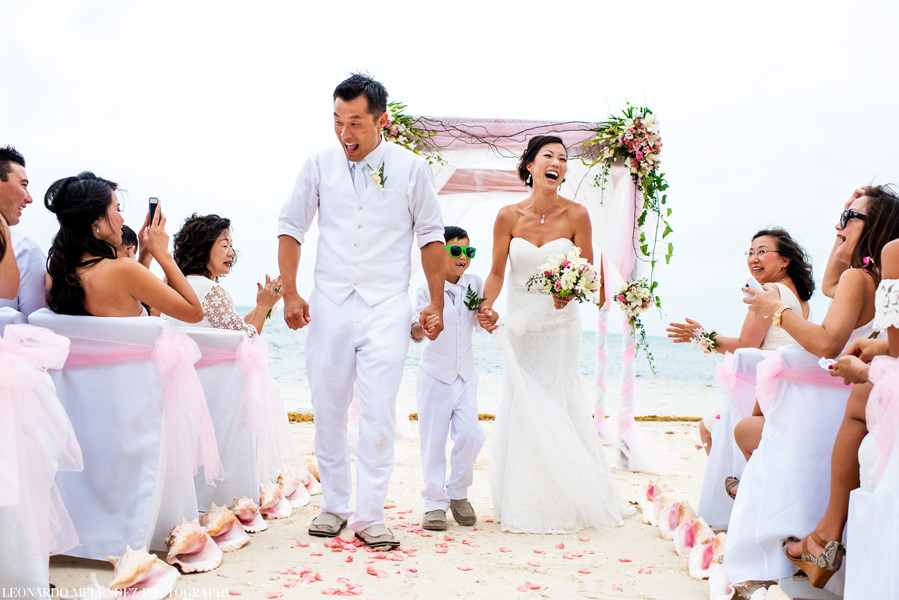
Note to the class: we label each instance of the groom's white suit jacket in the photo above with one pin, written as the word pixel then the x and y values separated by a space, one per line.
pixel 364 242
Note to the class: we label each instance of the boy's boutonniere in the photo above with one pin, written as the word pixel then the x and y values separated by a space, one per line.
pixel 379 178
pixel 472 301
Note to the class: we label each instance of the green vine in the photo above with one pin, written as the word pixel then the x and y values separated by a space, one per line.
pixel 405 131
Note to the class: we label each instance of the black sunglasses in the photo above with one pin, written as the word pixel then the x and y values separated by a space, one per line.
pixel 456 251
pixel 850 214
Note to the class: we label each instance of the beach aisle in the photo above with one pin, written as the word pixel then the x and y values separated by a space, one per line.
pixel 462 562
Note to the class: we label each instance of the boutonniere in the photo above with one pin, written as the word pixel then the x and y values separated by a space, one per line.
pixel 379 178
pixel 472 301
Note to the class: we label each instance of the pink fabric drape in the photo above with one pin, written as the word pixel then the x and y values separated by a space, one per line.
pixel 772 371
pixel 263 401
pixel 190 435
pixel 36 437
pixel 882 410
pixel 731 382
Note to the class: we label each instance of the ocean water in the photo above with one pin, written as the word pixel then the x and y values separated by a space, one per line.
pixel 682 386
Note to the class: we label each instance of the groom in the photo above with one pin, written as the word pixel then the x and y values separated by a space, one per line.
pixel 371 197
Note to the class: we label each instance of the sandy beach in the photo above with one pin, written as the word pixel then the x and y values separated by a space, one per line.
pixel 463 562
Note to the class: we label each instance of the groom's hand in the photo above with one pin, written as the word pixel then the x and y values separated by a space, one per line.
pixel 428 316
pixel 296 310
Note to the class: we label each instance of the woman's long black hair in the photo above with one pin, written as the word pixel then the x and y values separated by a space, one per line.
pixel 77 203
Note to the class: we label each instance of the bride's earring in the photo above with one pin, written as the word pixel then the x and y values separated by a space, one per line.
pixel 529 180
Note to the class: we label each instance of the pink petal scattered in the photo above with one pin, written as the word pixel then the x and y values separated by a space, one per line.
pixel 624 560
pixel 616 587
pixel 521 588
pixel 538 551
pixel 503 549
pixel 645 571
pixel 533 563
pixel 442 550
pixel 349 558
pixel 233 593
pixel 329 591
pixel 540 571
pixel 271 595
pixel 583 539
pixel 532 586
pixel 376 572
pixel 302 544
pixel 449 539
pixel 464 568
pixel 489 521
pixel 584 571
pixel 315 554
pixel 249 570
pixel 560 546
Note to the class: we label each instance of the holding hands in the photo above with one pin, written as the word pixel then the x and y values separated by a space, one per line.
pixel 431 321
pixel 487 318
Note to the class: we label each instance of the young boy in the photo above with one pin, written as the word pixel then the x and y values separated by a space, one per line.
pixel 447 392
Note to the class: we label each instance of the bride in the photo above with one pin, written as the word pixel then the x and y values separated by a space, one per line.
pixel 547 471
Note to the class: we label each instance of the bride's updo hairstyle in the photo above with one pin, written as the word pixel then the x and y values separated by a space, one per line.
pixel 193 243
pixel 78 202
pixel 534 145
pixel 881 227
pixel 799 269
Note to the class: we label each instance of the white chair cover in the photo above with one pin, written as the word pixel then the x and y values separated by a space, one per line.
pixel 224 387
pixel 736 376
pixel 786 483
pixel 36 441
pixel 129 492
pixel 9 316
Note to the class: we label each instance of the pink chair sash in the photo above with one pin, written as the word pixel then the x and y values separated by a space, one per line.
pixel 882 410
pixel 771 371
pixel 190 435
pixel 36 437
pixel 728 379
pixel 264 413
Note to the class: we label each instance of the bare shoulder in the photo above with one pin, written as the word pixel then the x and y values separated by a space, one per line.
pixel 509 214
pixel 574 209
pixel 855 281
pixel 890 253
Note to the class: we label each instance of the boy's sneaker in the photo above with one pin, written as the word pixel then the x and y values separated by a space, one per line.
pixel 435 520
pixel 463 512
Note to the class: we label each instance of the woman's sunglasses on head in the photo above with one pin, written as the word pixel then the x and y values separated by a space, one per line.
pixel 456 251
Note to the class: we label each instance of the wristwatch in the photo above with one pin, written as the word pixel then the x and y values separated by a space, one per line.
pixel 778 315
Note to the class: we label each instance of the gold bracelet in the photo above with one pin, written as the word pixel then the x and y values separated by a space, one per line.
pixel 778 315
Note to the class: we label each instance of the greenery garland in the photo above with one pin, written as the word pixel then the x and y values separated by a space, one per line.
pixel 405 131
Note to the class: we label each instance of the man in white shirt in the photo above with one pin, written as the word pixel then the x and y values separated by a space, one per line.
pixel 32 263
pixel 372 197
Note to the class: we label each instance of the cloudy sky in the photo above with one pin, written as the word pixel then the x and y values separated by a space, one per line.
pixel 772 113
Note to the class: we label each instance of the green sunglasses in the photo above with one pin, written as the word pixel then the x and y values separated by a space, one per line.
pixel 456 251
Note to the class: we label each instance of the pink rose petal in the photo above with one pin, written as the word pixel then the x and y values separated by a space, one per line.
pixel 583 539
pixel 584 571
pixel 616 587
pixel 503 549
pixel 531 585
pixel 533 563
pixel 560 546
pixel 271 595
pixel 464 568
pixel 624 560
pixel 233 593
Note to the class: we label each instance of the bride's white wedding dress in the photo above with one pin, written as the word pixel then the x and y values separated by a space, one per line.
pixel 547 470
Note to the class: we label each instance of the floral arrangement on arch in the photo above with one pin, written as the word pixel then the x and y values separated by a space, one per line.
pixel 568 275
pixel 633 298
pixel 403 130
pixel 634 138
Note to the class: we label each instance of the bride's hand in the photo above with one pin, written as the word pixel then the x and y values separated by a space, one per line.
pixel 487 318
pixel 682 333
pixel 560 302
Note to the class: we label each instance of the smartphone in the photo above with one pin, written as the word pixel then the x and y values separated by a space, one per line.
pixel 753 284
pixel 154 202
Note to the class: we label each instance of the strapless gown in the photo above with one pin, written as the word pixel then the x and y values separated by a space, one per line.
pixel 547 470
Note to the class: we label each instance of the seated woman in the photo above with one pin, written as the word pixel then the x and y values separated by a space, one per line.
pixel 820 553
pixel 84 274
pixel 773 258
pixel 203 252
pixel 9 270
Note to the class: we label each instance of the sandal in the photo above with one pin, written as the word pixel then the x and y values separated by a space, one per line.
pixel 822 568
pixel 729 484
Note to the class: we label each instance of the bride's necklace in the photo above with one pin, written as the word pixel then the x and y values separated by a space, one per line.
pixel 542 215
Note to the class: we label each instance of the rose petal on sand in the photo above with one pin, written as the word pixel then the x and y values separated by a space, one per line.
pixel 349 558
pixel 560 546
pixel 532 586
pixel 583 539
pixel 233 593
pixel 504 549
pixel 464 568
pixel 302 544
pixel 533 563
pixel 616 587
pixel 584 571
pixel 624 560
pixel 271 595
pixel 449 539
pixel 538 551
pixel 442 551
pixel 644 571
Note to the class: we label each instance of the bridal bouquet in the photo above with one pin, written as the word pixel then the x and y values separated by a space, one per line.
pixel 634 297
pixel 568 275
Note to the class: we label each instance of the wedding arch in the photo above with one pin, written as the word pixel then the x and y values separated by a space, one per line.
pixel 613 171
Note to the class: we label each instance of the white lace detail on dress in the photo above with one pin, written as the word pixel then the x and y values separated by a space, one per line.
pixel 886 305
pixel 219 310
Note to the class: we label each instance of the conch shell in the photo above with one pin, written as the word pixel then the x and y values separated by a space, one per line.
pixel 293 488
pixel 272 503
pixel 719 587
pixel 140 570
pixel 191 548
pixel 247 513
pixel 692 533
pixel 772 593
pixel 225 528
pixel 668 517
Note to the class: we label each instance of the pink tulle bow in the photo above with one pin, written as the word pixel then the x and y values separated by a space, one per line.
pixel 36 438
pixel 771 371
pixel 191 434
pixel 882 410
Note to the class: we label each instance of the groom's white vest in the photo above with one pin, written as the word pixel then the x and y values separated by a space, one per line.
pixel 364 243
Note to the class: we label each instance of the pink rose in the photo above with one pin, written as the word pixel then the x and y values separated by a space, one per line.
pixel 394 132
pixel 566 264
pixel 547 273
pixel 639 155
pixel 620 297
pixel 557 286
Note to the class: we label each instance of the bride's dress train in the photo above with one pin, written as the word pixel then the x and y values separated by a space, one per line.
pixel 547 470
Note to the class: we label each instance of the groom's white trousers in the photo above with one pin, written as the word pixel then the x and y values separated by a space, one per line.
pixel 348 341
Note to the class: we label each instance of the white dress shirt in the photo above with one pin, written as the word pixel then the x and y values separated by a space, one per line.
pixel 364 242
pixel 32 263
pixel 451 354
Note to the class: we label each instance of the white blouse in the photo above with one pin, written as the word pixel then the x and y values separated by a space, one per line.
pixel 218 307
pixel 886 305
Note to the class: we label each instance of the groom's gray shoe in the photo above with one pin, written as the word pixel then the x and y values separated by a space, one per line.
pixel 434 520
pixel 326 525
pixel 463 513
pixel 378 537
